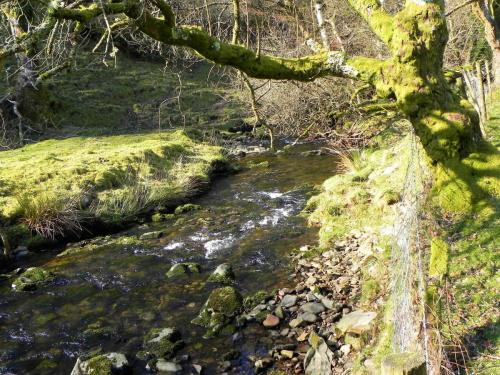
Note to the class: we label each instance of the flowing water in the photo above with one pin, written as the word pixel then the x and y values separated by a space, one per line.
pixel 111 296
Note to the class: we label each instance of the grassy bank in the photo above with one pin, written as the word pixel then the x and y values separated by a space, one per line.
pixel 55 187
pixel 460 248
pixel 469 294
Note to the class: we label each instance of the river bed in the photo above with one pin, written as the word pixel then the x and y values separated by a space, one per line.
pixel 111 296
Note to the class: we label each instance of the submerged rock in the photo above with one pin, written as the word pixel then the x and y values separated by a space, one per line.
pixel 179 269
pixel 32 278
pixel 162 343
pixel 221 307
pixel 223 274
pixel 104 364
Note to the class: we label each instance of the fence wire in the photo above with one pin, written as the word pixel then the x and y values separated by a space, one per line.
pixel 408 279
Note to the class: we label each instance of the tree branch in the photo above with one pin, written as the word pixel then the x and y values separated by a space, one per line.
pixel 458 7
pixel 307 68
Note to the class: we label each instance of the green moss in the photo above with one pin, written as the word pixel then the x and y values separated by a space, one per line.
pixel 162 343
pixel 438 265
pixel 249 302
pixel 100 365
pixel 187 208
pixel 180 269
pixel 32 278
pixel 219 310
pixel 53 180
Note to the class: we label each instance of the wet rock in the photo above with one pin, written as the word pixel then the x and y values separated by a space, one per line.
pixel 105 364
pixel 180 269
pixel 223 274
pixel 319 358
pixel 162 343
pixel 313 307
pixel 219 310
pixel 289 300
pixel 32 278
pixel 169 367
pixel 271 321
pixel 151 235
pixel 356 322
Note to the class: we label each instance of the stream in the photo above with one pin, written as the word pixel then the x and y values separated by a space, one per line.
pixel 109 297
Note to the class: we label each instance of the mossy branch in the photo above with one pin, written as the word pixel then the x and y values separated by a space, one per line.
pixel 306 68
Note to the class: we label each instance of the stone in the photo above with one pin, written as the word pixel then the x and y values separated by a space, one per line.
pixel 319 358
pixel 151 235
pixel 313 307
pixel 104 364
pixel 32 278
pixel 328 303
pixel 179 269
pixel 223 274
pixel 197 368
pixel 287 354
pixel 308 317
pixel 162 343
pixel 289 300
pixel 271 321
pixel 345 349
pixel 356 322
pixel 263 363
pixel 285 331
pixel 303 336
pixel 219 310
pixel 297 322
pixel 409 363
pixel 279 312
pixel 165 366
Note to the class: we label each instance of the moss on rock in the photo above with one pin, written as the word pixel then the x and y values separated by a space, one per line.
pixel 32 278
pixel 219 310
pixel 162 343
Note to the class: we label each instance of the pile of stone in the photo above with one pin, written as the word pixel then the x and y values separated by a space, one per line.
pixel 314 325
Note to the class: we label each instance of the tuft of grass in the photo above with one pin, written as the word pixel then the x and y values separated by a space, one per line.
pixel 49 215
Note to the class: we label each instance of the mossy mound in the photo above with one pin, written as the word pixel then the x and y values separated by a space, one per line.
pixel 53 186
pixel 221 307
pixel 32 278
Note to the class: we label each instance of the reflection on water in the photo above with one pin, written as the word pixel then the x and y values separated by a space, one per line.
pixel 110 297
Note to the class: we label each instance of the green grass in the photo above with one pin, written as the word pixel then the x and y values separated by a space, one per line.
pixel 472 314
pixel 137 95
pixel 110 178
